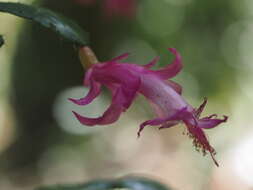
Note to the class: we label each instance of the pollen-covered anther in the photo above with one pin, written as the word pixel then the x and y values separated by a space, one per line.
pixel 199 147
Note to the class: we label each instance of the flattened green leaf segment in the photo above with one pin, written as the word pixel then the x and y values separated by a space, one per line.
pixel 130 183
pixel 65 27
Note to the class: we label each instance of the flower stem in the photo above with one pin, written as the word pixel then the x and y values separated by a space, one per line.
pixel 87 57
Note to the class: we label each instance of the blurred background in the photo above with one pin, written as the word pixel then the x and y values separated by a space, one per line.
pixel 42 143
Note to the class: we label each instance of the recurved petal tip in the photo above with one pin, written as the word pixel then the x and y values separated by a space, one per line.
pixel 209 123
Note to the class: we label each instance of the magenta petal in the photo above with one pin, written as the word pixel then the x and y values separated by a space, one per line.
pixel 92 94
pixel 157 121
pixel 111 115
pixel 168 121
pixel 198 112
pixel 210 116
pixel 172 69
pixel 169 124
pixel 152 63
pixel 87 77
pixel 157 109
pixel 208 123
pixel 118 105
pixel 126 92
pixel 177 87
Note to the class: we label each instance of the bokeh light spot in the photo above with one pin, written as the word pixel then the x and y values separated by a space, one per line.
pixel 159 18
pixel 63 110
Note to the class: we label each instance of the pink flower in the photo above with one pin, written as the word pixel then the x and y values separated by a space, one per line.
pixel 126 81
pixel 125 8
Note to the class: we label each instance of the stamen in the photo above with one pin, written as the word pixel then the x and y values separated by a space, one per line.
pixel 200 146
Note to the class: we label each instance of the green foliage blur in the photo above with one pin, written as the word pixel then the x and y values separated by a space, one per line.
pixel 134 183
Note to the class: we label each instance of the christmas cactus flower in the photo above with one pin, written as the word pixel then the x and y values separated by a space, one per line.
pixel 111 8
pixel 126 81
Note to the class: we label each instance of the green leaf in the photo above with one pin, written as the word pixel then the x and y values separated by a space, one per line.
pixel 65 27
pixel 132 183
pixel 139 184
pixel 94 185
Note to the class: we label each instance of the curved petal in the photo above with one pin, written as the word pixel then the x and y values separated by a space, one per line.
pixel 198 112
pixel 122 99
pixel 92 94
pixel 170 120
pixel 152 62
pixel 128 96
pixel 169 124
pixel 172 69
pixel 153 122
pixel 208 123
pixel 110 115
pixel 177 87
pixel 128 87
pixel 87 77
pixel 210 116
